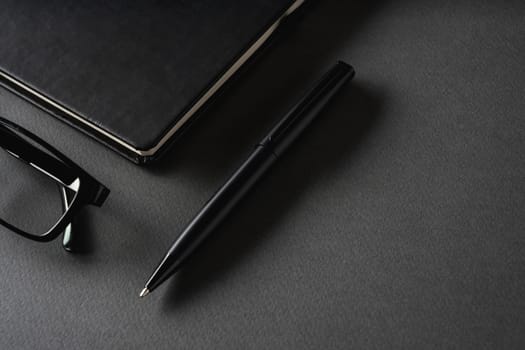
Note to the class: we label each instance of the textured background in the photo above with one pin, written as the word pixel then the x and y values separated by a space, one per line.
pixel 396 222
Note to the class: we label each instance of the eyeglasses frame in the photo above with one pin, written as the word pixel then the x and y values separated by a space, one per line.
pixel 88 191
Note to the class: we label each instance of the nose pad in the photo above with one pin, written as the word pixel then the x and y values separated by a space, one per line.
pixel 67 241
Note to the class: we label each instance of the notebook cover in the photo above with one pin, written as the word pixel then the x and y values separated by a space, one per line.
pixel 128 72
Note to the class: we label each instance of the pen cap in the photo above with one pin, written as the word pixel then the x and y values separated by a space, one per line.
pixel 305 111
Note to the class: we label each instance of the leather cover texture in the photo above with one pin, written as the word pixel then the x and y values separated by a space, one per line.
pixel 131 68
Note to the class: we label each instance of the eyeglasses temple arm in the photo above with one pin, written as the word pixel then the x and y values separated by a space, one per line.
pixel 38 159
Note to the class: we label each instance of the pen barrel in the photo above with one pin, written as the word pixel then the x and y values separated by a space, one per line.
pixel 229 194
pixel 264 155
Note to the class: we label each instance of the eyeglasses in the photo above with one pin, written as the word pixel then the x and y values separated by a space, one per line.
pixel 41 190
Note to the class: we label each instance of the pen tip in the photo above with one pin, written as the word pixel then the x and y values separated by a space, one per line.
pixel 144 292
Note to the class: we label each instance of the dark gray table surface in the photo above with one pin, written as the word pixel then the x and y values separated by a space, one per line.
pixel 396 222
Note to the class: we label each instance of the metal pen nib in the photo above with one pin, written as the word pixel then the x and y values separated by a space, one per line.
pixel 144 292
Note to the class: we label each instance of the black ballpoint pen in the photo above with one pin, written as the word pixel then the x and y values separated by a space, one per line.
pixel 265 153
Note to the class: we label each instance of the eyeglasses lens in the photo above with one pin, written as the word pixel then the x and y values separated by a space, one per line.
pixel 30 200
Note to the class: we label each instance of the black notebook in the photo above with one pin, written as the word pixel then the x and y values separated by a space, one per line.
pixel 132 74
